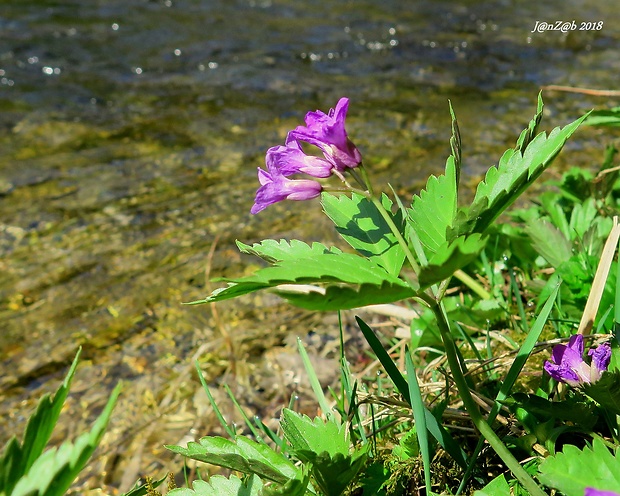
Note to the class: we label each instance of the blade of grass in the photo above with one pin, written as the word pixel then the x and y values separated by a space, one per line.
pixel 515 291
pixel 229 430
pixel 314 382
pixel 270 434
pixel 417 405
pixel 255 433
pixel 437 430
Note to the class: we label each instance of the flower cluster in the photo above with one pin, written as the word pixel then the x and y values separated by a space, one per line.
pixel 325 131
pixel 568 365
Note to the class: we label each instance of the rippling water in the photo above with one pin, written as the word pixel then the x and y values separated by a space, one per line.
pixel 131 132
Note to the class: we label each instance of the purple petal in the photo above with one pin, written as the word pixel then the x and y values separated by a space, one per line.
pixel 562 374
pixel 590 491
pixel 601 355
pixel 291 159
pixel 576 343
pixel 569 356
pixel 275 187
pixel 327 132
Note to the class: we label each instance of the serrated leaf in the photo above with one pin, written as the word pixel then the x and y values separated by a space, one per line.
pixel 360 224
pixel 504 183
pixel 450 257
pixel 528 134
pixel 606 391
pixel 243 455
pixel 325 268
pixel 334 473
pixel 316 435
pixel 54 471
pixel 609 117
pixel 218 485
pixel 573 470
pixel 273 251
pixel 17 458
pixel 432 211
pixel 497 487
pixel 338 297
pixel 549 242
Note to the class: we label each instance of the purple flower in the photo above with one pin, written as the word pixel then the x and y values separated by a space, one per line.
pixel 327 132
pixel 291 159
pixel 567 363
pixel 590 491
pixel 276 187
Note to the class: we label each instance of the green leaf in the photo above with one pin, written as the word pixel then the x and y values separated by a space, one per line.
pixel 361 225
pixel 497 487
pixel 455 145
pixel 17 458
pixel 549 242
pixel 372 283
pixel 450 257
pixel 432 212
pixel 333 474
pixel 528 134
pixel 606 391
pixel 274 251
pixel 243 455
pixel 517 169
pixel 609 117
pixel 53 472
pixel 218 485
pixel 573 470
pixel 316 435
pixel 294 487
pixel 418 407
pixel 338 297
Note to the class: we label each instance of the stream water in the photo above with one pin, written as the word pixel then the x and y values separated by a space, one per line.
pixel 130 134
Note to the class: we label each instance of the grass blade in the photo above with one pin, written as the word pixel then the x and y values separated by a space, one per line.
pixel 314 381
pixel 229 430
pixel 417 405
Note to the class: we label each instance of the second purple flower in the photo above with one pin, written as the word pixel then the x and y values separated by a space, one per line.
pixel 567 363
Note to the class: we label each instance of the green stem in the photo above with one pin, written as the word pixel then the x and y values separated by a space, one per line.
pixel 365 180
pixel 472 408
pixel 472 284
pixel 399 237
